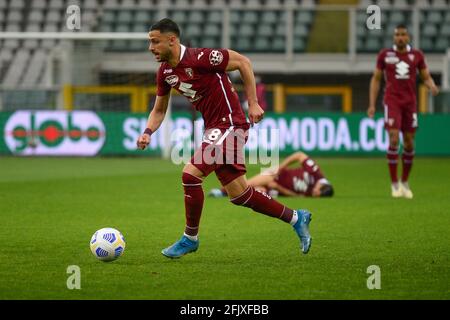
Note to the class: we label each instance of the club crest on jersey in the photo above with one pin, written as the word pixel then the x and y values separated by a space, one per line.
pixel 189 72
pixel 172 80
pixel 215 57
pixel 411 57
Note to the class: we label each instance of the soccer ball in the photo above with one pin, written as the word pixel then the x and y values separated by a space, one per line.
pixel 107 244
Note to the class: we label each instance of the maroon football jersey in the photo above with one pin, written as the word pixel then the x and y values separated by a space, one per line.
pixel 300 180
pixel 200 76
pixel 400 74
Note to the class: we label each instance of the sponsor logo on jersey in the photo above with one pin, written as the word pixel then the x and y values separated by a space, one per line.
pixel 215 57
pixel 166 71
pixel 189 72
pixel 402 70
pixel 391 60
pixel 172 80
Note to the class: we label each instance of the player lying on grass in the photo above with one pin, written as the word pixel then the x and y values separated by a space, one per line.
pixel 200 74
pixel 305 179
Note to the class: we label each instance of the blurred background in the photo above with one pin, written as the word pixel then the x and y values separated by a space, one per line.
pixel 312 58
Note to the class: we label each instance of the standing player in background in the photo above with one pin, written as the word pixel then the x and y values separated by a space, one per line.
pixel 200 75
pixel 400 65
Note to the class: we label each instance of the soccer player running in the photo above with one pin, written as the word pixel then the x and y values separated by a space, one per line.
pixel 200 75
pixel 303 179
pixel 400 65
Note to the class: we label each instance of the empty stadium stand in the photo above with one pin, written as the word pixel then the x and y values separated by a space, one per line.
pixel 256 26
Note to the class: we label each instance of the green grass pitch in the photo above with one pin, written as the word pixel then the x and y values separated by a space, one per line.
pixel 50 207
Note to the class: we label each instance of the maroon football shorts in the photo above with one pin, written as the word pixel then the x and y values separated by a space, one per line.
pixel 402 117
pixel 222 151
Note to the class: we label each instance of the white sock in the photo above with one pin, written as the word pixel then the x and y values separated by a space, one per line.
pixel 294 218
pixel 193 238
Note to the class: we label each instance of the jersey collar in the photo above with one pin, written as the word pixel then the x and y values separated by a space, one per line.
pixel 408 48
pixel 183 50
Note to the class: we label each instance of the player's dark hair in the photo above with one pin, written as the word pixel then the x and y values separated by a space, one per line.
pixel 326 190
pixel 401 26
pixel 166 25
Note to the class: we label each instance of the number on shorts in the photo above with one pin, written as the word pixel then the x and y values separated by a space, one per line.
pixel 215 134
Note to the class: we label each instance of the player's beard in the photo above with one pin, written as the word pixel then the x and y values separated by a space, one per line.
pixel 161 57
pixel 401 45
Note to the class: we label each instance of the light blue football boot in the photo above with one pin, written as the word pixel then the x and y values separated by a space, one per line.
pixel 301 227
pixel 180 248
pixel 216 193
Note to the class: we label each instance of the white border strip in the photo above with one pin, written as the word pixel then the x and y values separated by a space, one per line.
pixel 226 98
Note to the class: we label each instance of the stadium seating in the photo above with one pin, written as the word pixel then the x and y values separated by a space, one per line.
pixel 255 26
pixel 433 18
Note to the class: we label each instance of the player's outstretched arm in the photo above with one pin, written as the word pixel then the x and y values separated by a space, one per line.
pixel 375 83
pixel 282 190
pixel 428 81
pixel 298 156
pixel 155 119
pixel 239 62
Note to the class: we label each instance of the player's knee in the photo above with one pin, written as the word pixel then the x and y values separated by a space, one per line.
pixel 408 146
pixel 393 139
pixel 190 180
pixel 393 142
pixel 408 143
